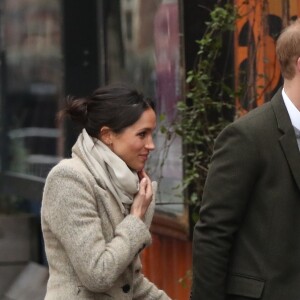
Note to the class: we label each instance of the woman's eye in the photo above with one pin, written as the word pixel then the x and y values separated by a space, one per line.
pixel 142 134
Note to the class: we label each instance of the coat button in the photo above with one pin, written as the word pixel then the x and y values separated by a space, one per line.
pixel 126 288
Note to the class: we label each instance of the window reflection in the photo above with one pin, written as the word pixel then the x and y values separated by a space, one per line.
pixel 143 48
pixel 33 77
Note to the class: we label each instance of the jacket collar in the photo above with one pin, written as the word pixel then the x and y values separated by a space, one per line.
pixel 287 140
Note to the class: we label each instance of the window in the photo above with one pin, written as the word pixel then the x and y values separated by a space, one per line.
pixel 143 48
pixel 31 84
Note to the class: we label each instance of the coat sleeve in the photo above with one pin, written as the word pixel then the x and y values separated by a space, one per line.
pixel 231 178
pixel 69 208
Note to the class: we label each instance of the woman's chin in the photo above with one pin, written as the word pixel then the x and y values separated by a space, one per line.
pixel 137 168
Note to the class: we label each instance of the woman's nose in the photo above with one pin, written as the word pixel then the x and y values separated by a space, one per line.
pixel 150 144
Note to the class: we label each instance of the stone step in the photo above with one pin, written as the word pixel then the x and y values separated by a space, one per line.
pixel 30 284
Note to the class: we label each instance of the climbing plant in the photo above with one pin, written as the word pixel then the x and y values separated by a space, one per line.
pixel 209 102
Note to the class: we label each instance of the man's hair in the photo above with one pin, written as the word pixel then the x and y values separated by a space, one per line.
pixel 288 49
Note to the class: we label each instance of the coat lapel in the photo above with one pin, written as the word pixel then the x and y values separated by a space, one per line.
pixel 287 140
pixel 110 205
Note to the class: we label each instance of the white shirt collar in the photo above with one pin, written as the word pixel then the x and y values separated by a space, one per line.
pixel 294 113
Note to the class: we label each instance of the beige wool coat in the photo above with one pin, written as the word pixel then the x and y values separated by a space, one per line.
pixel 91 247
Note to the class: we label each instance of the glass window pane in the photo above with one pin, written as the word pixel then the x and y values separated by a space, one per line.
pixel 33 83
pixel 143 48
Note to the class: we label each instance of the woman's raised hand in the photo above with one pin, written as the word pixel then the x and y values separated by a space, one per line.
pixel 143 198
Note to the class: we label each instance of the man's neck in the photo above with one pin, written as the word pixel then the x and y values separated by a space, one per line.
pixel 292 90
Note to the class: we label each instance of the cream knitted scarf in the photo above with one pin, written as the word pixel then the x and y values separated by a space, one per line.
pixel 109 169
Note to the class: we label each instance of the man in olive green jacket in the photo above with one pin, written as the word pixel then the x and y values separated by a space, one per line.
pixel 246 244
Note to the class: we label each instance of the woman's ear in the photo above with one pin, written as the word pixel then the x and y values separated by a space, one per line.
pixel 105 135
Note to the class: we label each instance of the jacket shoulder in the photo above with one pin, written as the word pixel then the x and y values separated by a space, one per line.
pixel 70 167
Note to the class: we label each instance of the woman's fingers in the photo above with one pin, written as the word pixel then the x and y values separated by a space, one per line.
pixel 143 198
pixel 149 191
pixel 143 185
pixel 141 173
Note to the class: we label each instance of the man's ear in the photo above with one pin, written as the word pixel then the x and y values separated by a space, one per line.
pixel 298 65
pixel 105 135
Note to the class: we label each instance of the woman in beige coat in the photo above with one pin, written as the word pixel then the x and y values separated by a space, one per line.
pixel 98 205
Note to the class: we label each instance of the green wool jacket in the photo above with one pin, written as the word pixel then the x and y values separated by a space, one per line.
pixel 246 244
